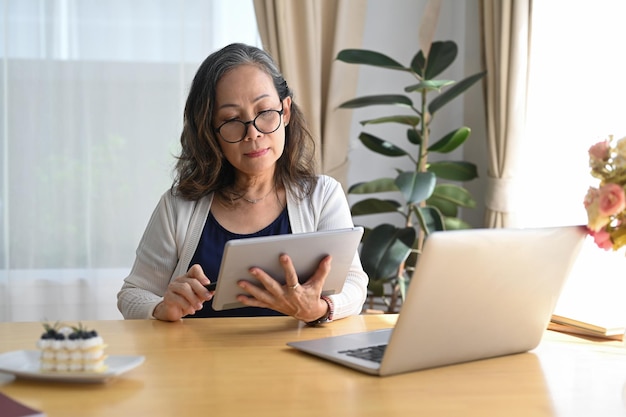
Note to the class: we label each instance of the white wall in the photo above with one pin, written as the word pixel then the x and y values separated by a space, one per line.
pixel 392 28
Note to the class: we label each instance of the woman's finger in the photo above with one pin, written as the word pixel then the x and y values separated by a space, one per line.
pixel 291 276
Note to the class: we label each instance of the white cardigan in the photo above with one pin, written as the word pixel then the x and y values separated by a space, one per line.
pixel 173 232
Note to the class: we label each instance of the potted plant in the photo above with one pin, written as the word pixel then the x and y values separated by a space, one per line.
pixel 431 193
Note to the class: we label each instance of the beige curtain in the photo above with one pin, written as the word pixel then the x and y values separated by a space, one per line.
pixel 506 36
pixel 304 37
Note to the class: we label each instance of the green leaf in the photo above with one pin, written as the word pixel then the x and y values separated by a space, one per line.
pixel 378 100
pixel 377 287
pixel 416 186
pixel 402 119
pixel 374 206
pixel 454 91
pixel 454 194
pixel 381 146
pixel 454 223
pixel 441 55
pixel 445 207
pixel 454 170
pixel 414 136
pixel 418 63
pixel 428 85
pixel 451 141
pixel 429 218
pixel 380 185
pixel 385 249
pixel 367 57
pixel 411 261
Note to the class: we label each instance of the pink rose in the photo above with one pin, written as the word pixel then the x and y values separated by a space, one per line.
pixel 602 238
pixel 611 199
pixel 600 151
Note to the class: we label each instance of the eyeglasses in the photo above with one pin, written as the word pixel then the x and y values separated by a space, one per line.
pixel 267 121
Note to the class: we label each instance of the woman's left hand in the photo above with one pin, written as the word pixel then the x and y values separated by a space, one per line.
pixel 301 301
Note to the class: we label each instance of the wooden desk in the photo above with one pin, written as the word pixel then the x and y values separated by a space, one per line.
pixel 241 367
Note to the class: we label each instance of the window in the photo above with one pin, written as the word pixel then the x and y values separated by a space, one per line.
pixel 124 31
pixel 576 93
pixel 92 100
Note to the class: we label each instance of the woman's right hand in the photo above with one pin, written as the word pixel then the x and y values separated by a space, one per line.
pixel 185 295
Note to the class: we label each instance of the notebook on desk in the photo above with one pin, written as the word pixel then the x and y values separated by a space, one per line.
pixel 475 294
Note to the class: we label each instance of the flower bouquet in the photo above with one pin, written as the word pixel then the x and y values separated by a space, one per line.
pixel 606 204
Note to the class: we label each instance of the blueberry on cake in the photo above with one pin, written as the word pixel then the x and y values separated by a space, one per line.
pixel 71 349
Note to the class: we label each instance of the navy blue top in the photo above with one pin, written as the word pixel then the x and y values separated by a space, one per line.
pixel 209 255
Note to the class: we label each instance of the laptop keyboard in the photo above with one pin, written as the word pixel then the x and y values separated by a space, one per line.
pixel 370 353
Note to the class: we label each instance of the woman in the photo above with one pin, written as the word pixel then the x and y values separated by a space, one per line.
pixel 246 169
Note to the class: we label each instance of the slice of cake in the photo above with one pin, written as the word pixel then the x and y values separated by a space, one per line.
pixel 71 349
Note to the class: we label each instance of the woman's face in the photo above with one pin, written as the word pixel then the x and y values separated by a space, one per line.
pixel 241 94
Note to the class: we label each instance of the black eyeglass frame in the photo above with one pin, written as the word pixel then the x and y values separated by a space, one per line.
pixel 251 122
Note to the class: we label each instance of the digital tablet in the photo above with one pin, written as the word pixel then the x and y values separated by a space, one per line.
pixel 306 251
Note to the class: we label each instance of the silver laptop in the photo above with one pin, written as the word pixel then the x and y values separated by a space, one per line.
pixel 475 294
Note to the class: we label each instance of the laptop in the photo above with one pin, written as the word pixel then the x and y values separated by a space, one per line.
pixel 475 294
pixel 306 251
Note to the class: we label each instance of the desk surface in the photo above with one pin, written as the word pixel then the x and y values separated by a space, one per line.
pixel 237 367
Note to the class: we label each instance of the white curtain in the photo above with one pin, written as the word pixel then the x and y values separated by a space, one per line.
pixel 91 101
pixel 506 43
pixel 305 37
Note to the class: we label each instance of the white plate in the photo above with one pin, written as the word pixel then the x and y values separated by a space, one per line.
pixel 25 364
